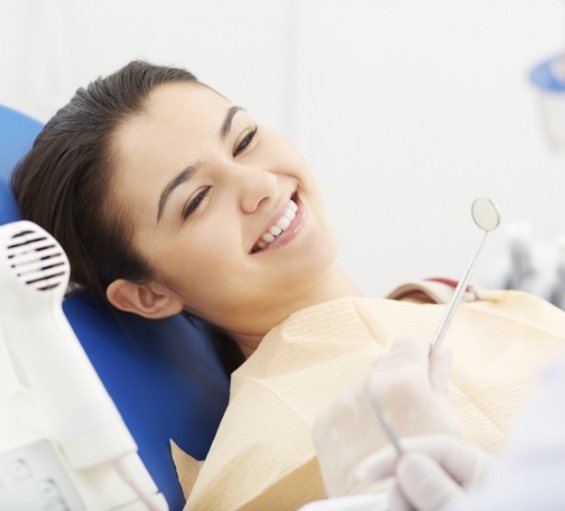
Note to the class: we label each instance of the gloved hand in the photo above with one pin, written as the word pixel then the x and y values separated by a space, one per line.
pixel 434 472
pixel 410 386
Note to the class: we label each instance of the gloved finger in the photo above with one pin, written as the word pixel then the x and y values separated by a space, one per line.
pixel 396 500
pixel 377 466
pixel 465 463
pixel 462 461
pixel 440 364
pixel 413 350
pixel 424 483
pixel 407 352
pixel 407 363
pixel 382 464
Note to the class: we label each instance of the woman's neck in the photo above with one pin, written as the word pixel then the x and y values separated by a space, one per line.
pixel 335 284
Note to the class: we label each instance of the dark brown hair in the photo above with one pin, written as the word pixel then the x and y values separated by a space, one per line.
pixel 62 183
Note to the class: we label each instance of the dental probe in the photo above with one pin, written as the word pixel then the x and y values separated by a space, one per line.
pixel 384 419
pixel 486 216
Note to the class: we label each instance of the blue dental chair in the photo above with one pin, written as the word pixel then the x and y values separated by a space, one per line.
pixel 165 376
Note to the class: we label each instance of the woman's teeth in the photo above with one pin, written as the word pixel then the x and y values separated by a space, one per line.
pixel 281 225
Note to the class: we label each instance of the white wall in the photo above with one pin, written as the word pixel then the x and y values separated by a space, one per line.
pixel 406 109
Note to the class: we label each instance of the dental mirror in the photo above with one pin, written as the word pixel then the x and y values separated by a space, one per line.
pixel 486 216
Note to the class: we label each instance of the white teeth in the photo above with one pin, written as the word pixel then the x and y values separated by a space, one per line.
pixel 289 214
pixel 281 225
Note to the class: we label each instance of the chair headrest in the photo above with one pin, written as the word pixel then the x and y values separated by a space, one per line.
pixel 17 133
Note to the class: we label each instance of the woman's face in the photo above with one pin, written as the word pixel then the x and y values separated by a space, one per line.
pixel 206 189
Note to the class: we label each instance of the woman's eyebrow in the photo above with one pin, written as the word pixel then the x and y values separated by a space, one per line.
pixel 226 126
pixel 178 180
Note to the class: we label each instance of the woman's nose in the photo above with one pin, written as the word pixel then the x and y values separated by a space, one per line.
pixel 254 186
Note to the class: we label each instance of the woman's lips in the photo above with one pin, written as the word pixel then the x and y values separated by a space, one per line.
pixel 288 234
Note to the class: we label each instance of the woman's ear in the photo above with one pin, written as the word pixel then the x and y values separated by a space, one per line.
pixel 147 300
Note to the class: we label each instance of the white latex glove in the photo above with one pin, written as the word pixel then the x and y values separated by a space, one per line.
pixel 434 472
pixel 411 387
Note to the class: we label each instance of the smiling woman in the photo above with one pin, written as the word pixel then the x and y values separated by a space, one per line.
pixel 238 236
pixel 167 197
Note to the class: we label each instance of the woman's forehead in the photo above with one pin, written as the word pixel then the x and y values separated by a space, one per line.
pixel 175 118
pixel 184 102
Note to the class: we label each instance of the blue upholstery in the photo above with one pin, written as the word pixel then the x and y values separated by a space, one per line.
pixel 165 376
pixel 17 133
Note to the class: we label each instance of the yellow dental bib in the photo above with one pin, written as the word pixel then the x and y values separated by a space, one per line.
pixel 263 458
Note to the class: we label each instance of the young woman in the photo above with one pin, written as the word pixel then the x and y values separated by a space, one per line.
pixel 168 197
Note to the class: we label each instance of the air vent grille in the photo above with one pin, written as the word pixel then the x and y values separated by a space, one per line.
pixel 37 260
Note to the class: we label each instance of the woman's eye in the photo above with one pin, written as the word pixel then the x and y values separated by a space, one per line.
pixel 193 204
pixel 245 142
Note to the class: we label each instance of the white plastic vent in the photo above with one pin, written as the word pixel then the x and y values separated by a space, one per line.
pixel 37 260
